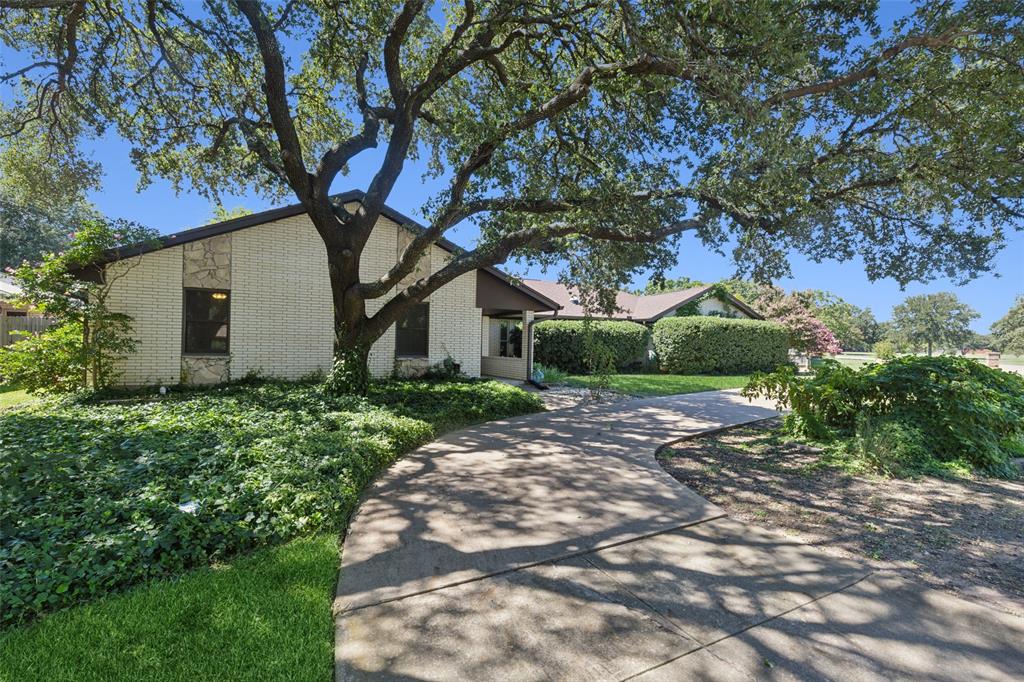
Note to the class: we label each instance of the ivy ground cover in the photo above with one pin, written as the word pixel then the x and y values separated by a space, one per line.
pixel 98 497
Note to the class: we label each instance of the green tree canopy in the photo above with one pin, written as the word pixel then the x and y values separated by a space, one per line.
pixel 593 133
pixel 1008 330
pixel 931 320
pixel 42 196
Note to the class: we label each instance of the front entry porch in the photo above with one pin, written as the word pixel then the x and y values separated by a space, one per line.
pixel 507 318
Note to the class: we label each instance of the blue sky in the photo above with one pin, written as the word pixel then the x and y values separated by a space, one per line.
pixel 158 207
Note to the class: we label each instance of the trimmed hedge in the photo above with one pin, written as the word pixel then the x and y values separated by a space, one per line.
pixel 563 343
pixel 719 345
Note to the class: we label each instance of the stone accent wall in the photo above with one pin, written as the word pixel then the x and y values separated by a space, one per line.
pixel 206 264
pixel 150 290
pixel 205 369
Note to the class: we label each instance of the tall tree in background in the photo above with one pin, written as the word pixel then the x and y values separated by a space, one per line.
pixel 1008 330
pixel 586 131
pixel 931 320
pixel 42 196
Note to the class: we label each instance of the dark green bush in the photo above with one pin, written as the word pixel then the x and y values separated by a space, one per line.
pixel 575 345
pixel 716 345
pixel 963 410
pixel 96 497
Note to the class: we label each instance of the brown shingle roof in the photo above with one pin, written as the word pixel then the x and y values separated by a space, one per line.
pixel 639 308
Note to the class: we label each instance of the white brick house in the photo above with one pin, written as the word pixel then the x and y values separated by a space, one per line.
pixel 252 295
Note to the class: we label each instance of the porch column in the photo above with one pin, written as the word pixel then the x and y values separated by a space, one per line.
pixel 528 342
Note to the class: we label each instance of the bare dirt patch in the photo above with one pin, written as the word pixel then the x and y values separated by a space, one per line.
pixel 963 536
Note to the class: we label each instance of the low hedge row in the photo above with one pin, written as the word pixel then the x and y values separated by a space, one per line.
pixel 718 345
pixel 564 343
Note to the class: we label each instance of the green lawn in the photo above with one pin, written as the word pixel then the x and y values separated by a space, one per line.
pixel 264 617
pixel 663 384
pixel 114 513
pixel 12 395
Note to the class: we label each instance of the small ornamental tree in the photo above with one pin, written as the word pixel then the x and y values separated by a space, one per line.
pixel 83 347
pixel 807 333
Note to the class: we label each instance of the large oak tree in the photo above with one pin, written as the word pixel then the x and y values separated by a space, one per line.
pixel 593 132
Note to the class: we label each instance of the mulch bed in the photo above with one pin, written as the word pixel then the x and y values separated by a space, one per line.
pixel 963 536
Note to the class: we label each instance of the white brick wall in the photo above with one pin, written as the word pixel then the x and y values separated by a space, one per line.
pixel 281 313
pixel 150 291
pixel 281 310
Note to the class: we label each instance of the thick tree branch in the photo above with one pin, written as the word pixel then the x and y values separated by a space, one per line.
pixel 393 50
pixel 866 72
pixel 499 251
pixel 340 154
pixel 276 92
pixel 572 94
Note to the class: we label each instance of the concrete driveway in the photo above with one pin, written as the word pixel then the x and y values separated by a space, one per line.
pixel 553 546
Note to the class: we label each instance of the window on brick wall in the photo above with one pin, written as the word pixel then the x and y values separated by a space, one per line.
pixel 411 333
pixel 510 339
pixel 207 321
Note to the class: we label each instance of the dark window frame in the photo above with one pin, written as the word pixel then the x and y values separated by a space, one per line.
pixel 426 333
pixel 185 322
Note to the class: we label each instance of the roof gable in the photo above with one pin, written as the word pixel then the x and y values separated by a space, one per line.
pixel 636 307
pixel 270 215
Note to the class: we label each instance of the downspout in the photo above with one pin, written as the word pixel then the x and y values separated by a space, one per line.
pixel 529 356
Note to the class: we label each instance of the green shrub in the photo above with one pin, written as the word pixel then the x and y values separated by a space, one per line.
pixel 53 361
pixel 96 497
pixel 715 345
pixel 889 446
pixel 578 346
pixel 549 375
pixel 963 410
pixel 884 349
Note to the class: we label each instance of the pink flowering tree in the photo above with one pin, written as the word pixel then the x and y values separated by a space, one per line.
pixel 807 333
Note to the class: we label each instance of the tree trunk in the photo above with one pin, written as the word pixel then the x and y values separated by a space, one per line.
pixel 350 372
pixel 929 348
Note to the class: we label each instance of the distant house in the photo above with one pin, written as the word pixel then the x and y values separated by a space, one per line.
pixel 645 309
pixel 252 295
pixel 8 291
pixel 15 321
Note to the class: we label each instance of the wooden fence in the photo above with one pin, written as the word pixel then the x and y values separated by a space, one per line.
pixel 10 325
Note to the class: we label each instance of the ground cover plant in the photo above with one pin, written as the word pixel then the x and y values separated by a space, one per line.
pixel 911 414
pixel 95 497
pixel 663 384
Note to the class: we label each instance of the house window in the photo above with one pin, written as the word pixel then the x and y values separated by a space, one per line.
pixel 16 313
pixel 207 321
pixel 510 339
pixel 411 333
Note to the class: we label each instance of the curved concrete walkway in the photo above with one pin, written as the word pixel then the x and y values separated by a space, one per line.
pixel 553 546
